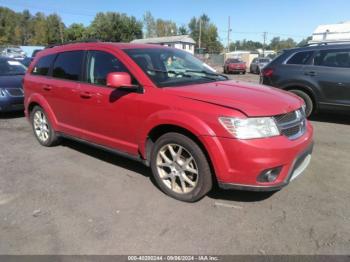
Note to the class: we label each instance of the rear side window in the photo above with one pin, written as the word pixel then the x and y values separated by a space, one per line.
pixel 300 58
pixel 42 67
pixel 68 65
pixel 333 58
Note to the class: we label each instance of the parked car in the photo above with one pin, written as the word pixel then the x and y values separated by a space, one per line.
pixel 11 91
pixel 258 64
pixel 13 52
pixel 234 65
pixel 193 127
pixel 319 74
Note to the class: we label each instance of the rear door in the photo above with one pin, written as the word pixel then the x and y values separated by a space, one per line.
pixel 66 77
pixel 331 70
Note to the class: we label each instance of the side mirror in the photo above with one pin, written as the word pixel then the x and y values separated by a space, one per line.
pixel 119 79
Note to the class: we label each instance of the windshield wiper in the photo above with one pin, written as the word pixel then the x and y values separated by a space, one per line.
pixel 207 73
pixel 169 72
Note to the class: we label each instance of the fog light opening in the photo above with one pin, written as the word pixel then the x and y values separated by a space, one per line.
pixel 269 175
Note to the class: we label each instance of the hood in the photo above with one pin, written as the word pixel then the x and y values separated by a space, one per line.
pixel 251 99
pixel 11 81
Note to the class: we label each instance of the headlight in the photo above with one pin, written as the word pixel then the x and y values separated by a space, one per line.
pixel 303 109
pixel 2 92
pixel 249 128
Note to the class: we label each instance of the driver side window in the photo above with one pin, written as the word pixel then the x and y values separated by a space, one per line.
pixel 99 65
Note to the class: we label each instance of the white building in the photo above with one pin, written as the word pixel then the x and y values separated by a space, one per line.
pixel 184 42
pixel 331 32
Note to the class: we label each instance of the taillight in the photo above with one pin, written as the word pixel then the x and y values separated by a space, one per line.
pixel 268 72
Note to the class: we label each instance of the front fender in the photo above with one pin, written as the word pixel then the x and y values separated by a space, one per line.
pixel 41 101
pixel 177 118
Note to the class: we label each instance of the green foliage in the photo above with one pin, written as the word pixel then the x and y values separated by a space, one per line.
pixel 245 45
pixel 209 34
pixel 277 44
pixel 27 29
pixel 304 41
pixel 159 27
pixel 115 27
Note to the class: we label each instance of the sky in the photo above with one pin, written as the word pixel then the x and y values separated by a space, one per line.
pixel 249 19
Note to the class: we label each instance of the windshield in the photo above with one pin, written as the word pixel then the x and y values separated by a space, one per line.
pixel 14 50
pixel 234 61
pixel 172 67
pixel 10 67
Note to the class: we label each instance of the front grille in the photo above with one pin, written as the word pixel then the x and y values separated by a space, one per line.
pixel 15 91
pixel 292 125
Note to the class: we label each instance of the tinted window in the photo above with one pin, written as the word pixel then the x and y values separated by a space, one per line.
pixel 99 64
pixel 300 58
pixel 333 58
pixel 68 65
pixel 42 67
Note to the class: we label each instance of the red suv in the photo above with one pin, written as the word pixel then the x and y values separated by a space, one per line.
pixel 164 107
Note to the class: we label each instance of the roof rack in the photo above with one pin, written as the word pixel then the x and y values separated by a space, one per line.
pixel 73 42
pixel 328 43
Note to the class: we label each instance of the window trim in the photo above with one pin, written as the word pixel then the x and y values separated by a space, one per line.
pixel 324 66
pixel 48 75
pixel 82 65
pixel 84 70
pixel 285 62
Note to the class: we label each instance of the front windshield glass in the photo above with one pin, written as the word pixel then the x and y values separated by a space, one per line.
pixel 12 67
pixel 171 67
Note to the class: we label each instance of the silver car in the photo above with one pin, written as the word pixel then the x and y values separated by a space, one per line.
pixel 258 64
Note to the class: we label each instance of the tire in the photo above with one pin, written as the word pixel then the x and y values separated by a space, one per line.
pixel 168 167
pixel 244 72
pixel 307 99
pixel 42 128
pixel 225 71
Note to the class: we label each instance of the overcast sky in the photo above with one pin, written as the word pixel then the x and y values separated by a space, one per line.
pixel 284 18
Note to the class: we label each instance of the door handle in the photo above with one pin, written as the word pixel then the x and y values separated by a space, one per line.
pixel 311 73
pixel 47 88
pixel 86 95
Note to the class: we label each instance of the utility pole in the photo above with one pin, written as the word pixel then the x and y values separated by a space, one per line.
pixel 228 34
pixel 264 43
pixel 200 34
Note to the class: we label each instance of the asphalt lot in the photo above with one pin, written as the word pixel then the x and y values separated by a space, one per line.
pixel 74 199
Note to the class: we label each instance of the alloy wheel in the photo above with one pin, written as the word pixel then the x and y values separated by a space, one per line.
pixel 177 168
pixel 41 126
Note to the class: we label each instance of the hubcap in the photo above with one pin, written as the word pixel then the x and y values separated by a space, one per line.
pixel 177 168
pixel 41 126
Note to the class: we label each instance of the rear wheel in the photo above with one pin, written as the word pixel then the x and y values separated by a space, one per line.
pixel 180 167
pixel 307 99
pixel 42 127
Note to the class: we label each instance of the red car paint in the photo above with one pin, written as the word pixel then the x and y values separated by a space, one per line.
pixel 91 113
pixel 234 66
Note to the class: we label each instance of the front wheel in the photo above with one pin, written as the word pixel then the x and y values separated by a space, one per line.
pixel 180 167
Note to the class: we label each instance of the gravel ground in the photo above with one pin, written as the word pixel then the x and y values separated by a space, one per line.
pixel 74 199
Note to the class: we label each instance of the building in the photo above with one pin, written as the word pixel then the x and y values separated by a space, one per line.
pixel 184 42
pixel 331 32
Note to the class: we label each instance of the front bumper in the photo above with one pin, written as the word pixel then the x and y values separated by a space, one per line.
pixel 239 164
pixel 300 163
pixel 10 104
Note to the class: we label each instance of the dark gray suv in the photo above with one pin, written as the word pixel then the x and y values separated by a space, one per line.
pixel 319 74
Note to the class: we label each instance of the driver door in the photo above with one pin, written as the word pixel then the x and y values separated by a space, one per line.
pixel 105 111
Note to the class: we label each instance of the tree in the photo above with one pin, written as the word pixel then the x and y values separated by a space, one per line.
pixel 40 31
pixel 304 41
pixel 277 44
pixel 208 31
pixel 115 27
pixel 75 32
pixel 245 45
pixel 150 25
pixel 165 28
pixel 8 25
pixel 183 30
pixel 55 29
